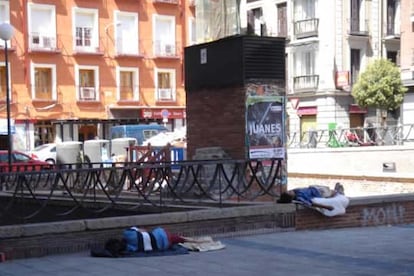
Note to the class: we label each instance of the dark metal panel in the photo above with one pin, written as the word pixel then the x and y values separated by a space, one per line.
pixel 233 60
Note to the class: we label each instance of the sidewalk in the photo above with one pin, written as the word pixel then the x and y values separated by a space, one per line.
pixel 385 250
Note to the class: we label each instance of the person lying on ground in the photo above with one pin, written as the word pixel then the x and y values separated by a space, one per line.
pixel 136 239
pixel 306 195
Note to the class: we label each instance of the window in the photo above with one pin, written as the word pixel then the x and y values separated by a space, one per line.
pixel 19 157
pixel 255 24
pixel 86 30
pixel 83 36
pixel 192 37
pixel 393 17
pixel 359 23
pixel 164 35
pixel 282 20
pixel 165 84
pixel 4 11
pixel 304 63
pixel 304 9
pixel 87 83
pixel 355 64
pixel 126 27
pixel 392 56
pixel 42 26
pixel 3 89
pixel 43 82
pixel 305 77
pixel 128 89
pixel 305 22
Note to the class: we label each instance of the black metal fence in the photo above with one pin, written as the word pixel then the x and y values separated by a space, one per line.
pixel 349 137
pixel 67 190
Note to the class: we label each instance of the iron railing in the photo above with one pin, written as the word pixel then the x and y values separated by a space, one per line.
pixel 346 137
pixel 66 190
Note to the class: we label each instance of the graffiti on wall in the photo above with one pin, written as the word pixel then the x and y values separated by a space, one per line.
pixel 389 214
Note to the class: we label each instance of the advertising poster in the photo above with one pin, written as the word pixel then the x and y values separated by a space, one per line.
pixel 265 126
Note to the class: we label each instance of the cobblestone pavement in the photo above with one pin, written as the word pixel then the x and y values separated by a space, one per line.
pixel 383 250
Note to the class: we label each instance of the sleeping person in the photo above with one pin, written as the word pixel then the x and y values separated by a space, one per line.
pixel 322 198
pixel 136 239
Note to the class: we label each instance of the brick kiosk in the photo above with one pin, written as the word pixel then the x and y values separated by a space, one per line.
pixel 219 78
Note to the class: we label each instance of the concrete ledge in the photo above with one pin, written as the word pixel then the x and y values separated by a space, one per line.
pixel 34 240
pixel 139 220
pixel 362 212
pixel 27 230
pixel 366 200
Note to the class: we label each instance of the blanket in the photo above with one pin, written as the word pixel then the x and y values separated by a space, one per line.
pixel 339 203
pixel 173 250
pixel 203 244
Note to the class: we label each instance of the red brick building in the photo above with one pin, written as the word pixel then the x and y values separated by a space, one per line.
pixel 76 67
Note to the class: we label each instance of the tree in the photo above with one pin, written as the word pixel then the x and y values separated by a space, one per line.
pixel 379 86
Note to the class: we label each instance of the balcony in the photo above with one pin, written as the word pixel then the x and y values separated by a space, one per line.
pixel 306 28
pixel 393 32
pixel 81 50
pixel 124 49
pixel 42 42
pixel 87 47
pixel 308 83
pixel 175 2
pixel 163 49
pixel 358 28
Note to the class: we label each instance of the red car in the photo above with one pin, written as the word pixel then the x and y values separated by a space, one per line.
pixel 21 162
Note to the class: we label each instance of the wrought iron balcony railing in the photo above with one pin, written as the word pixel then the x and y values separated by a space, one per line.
pixel 306 28
pixel 305 83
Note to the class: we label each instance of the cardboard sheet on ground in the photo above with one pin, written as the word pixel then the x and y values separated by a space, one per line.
pixel 203 244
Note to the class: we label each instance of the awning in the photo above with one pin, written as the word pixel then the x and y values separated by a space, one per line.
pixel 307 110
pixel 356 109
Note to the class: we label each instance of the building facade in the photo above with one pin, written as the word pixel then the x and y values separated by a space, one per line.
pixel 328 44
pixel 407 60
pixel 77 67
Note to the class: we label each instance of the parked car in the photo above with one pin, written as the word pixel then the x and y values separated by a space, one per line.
pixel 45 152
pixel 21 162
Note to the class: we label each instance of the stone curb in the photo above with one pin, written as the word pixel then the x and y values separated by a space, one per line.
pixel 37 229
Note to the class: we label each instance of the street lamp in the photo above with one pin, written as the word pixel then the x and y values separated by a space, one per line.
pixel 6 32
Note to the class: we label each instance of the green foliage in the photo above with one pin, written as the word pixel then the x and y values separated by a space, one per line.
pixel 379 86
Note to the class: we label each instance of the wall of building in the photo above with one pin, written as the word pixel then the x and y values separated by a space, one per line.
pixel 216 118
pixel 66 106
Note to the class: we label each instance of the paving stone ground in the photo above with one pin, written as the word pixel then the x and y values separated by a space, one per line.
pixel 383 250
